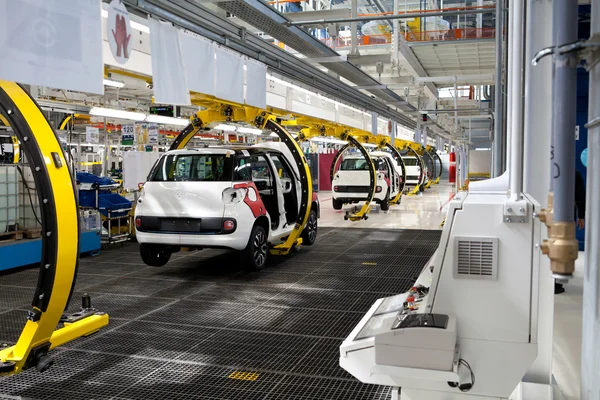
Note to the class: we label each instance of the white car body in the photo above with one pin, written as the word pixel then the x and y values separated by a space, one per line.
pixel 198 209
pixel 351 182
pixel 414 175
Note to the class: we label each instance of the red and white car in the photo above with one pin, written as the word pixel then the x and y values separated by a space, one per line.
pixel 351 182
pixel 240 198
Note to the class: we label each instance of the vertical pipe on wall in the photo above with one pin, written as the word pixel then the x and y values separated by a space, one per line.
pixel 516 87
pixel 509 97
pixel 565 97
pixel 590 343
pixel 498 97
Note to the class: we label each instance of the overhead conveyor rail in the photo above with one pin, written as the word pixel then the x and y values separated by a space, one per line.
pixel 60 239
pixel 190 15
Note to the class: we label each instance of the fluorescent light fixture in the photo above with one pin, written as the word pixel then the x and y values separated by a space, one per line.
pixel 112 113
pixel 483 149
pixel 327 140
pixel 161 119
pixel 253 131
pixel 369 145
pixel 110 82
pixel 133 24
pixel 225 127
pixel 139 27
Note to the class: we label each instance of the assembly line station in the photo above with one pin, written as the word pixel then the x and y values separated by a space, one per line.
pixel 300 199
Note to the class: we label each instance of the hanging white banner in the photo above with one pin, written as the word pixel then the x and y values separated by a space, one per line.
pixel 92 135
pixel 199 61
pixel 55 43
pixel 256 84
pixel 230 76
pixel 168 71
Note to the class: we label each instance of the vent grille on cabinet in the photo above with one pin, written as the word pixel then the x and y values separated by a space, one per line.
pixel 476 257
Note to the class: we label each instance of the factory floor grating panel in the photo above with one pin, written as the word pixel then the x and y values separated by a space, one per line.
pixel 201 328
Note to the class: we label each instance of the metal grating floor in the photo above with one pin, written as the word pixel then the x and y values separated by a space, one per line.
pixel 180 331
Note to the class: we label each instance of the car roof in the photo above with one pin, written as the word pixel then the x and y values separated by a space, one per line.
pixel 233 149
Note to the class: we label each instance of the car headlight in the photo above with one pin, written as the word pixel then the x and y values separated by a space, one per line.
pixel 234 196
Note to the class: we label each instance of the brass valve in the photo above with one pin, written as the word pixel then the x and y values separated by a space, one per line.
pixel 546 215
pixel 562 249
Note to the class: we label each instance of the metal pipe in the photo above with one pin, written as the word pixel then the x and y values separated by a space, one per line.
pixel 516 121
pixel 509 94
pixel 384 17
pixel 565 97
pixel 455 106
pixel 590 343
pixel 498 117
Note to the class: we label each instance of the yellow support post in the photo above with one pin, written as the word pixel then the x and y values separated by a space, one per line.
pixel 60 236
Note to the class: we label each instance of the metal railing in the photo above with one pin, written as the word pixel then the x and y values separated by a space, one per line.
pixel 422 36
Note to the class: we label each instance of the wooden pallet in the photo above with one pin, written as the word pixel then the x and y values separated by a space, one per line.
pixel 7 236
pixel 33 233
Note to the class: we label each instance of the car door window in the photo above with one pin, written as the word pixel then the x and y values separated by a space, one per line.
pixel 284 171
pixel 257 169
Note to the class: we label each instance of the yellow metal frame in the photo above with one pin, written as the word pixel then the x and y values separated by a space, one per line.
pixel 385 143
pixel 314 127
pixel 59 260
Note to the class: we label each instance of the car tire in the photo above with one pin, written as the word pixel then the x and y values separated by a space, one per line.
pixel 337 204
pixel 385 203
pixel 309 234
pixel 154 256
pixel 256 253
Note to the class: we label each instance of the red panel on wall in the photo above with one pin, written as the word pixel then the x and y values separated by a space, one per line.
pixel 325 161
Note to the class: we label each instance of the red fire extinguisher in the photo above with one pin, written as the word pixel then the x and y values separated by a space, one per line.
pixel 452 168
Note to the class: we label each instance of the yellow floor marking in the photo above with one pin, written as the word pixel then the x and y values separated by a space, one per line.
pixel 369 263
pixel 244 376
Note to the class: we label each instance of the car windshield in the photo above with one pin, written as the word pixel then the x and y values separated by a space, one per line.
pixel 410 161
pixel 193 168
pixel 360 164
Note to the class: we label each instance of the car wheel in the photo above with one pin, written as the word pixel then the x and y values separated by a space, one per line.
pixel 255 255
pixel 154 256
pixel 337 204
pixel 385 203
pixel 309 234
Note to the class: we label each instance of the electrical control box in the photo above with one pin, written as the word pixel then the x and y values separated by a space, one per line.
pixel 425 341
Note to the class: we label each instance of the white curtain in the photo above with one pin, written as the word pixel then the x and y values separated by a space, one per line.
pixel 55 43
pixel 200 64
pixel 168 71
pixel 256 84
pixel 230 76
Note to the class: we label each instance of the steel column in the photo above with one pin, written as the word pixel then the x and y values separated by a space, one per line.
pixel 536 169
pixel 565 97
pixel 590 343
pixel 354 28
